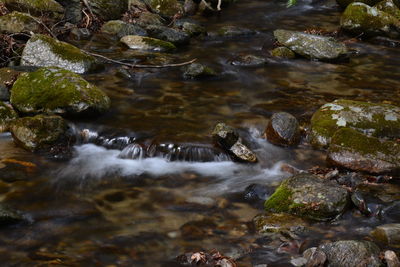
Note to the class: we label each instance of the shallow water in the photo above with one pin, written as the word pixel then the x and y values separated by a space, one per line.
pixel 100 209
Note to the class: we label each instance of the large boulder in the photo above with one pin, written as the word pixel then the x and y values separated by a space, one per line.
pixel 356 151
pixel 37 7
pixel 147 43
pixel 379 120
pixel 309 196
pixel 351 253
pixel 44 51
pixel 39 133
pixel 121 28
pixel 166 8
pixel 312 46
pixel 227 138
pixel 16 22
pixel 388 234
pixel 7 115
pixel 109 10
pixel 58 91
pixel 283 129
pixel 359 18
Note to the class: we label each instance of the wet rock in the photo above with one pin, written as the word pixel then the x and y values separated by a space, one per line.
pixel 44 51
pixel 191 27
pixel 36 8
pixel 389 7
pixel 146 19
pixel 249 61
pixel 309 196
pixel 80 34
pixel 73 10
pixel 345 3
pixel 351 253
pixel 146 43
pixel 283 129
pixel 283 52
pixel 312 46
pixel 359 201
pixel 314 257
pixel 9 216
pixel 109 10
pixel 234 31
pixel 59 91
pixel 388 234
pixel 121 28
pixel 385 41
pixel 197 71
pixel 166 8
pixel 227 138
pixel 359 18
pixel 356 151
pixel 279 222
pixel 256 193
pixel 391 259
pixel 16 22
pixel 379 120
pixel 7 115
pixel 39 133
pixel 167 34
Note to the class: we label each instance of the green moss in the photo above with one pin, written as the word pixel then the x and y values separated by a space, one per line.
pixel 389 7
pixel 158 43
pixel 283 52
pixel 51 89
pixel 15 22
pixel 63 50
pixel 280 200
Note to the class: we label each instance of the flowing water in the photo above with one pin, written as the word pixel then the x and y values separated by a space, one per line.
pixel 146 185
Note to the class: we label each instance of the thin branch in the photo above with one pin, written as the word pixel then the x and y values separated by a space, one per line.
pixel 140 65
pixel 85 2
pixel 44 25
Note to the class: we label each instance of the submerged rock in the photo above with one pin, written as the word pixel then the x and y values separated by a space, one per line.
pixel 44 51
pixel 16 22
pixel 283 129
pixel 9 216
pixel 283 52
pixel 146 43
pixel 121 28
pixel 358 152
pixel 388 234
pixel 234 31
pixel 37 8
pixel 249 61
pixel 7 115
pixel 312 46
pixel 59 91
pixel 227 138
pixel 166 8
pixel 351 253
pixel 109 10
pixel 309 196
pixel 197 71
pixel 279 222
pixel 360 18
pixel 167 34
pixel 40 132
pixel 379 120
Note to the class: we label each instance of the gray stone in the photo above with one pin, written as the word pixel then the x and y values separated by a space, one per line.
pixel 312 46
pixel 283 129
pixel 147 43
pixel 167 34
pixel 109 10
pixel 44 51
pixel 388 234
pixel 36 8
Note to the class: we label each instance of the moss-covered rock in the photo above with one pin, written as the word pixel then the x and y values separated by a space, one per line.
pixel 193 29
pixel 9 216
pixel 283 52
pixel 16 22
pixel 356 151
pixel 146 43
pixel 7 115
pixel 121 28
pixel 109 10
pixel 279 222
pixel 44 51
pixel 166 8
pixel 197 71
pixel 146 19
pixel 311 46
pixel 59 91
pixel 388 234
pixel 389 7
pixel 351 253
pixel 379 120
pixel 40 132
pixel 177 37
pixel 360 18
pixel 309 196
pixel 36 7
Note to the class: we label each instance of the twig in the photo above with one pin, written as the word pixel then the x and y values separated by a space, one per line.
pixel 140 65
pixel 44 25
pixel 85 2
pixel 219 5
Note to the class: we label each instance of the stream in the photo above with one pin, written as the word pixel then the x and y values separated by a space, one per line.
pixel 104 209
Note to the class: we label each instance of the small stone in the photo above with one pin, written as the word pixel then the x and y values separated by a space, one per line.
pixel 167 8
pixel 283 52
pixel 391 259
pixel 167 34
pixel 109 10
pixel 121 28
pixel 197 71
pixel 388 234
pixel 314 257
pixel 249 61
pixel 298 262
pixel 146 43
pixel 283 129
